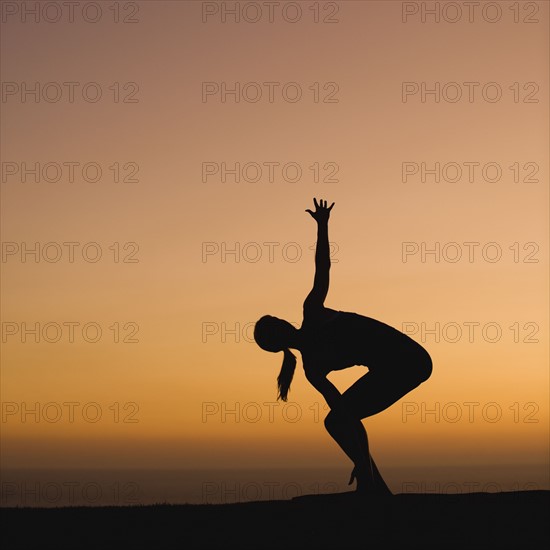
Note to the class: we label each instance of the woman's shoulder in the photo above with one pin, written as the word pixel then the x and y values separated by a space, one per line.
pixel 319 315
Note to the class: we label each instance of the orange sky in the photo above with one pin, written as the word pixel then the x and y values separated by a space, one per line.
pixel 179 296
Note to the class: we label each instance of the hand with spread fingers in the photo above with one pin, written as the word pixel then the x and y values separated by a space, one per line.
pixel 322 212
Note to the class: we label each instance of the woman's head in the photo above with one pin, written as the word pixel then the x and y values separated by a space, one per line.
pixel 273 334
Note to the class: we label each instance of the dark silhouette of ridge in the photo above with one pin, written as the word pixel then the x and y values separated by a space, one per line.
pixel 414 521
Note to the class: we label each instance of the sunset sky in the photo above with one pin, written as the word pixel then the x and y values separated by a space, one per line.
pixel 378 113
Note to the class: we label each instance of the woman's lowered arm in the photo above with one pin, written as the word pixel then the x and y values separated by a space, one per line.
pixel 325 387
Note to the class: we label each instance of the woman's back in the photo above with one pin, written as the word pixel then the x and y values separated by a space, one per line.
pixel 335 340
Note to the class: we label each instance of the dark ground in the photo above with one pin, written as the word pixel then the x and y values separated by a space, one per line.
pixel 465 522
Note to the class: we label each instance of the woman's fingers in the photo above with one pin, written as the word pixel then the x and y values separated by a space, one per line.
pixel 322 204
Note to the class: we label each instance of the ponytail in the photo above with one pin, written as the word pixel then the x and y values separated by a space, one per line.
pixel 286 374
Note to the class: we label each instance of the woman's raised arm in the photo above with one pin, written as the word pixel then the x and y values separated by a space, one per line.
pixel 316 297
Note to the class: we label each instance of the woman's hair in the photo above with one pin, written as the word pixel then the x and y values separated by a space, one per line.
pixel 286 374
pixel 266 333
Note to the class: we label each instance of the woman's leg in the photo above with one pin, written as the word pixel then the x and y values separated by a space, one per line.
pixel 379 483
pixel 351 436
pixel 369 395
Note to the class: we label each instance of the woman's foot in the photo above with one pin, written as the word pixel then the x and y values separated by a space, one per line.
pixel 369 485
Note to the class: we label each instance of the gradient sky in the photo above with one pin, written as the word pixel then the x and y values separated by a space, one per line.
pixel 174 293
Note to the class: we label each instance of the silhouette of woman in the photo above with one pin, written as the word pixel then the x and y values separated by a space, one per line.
pixel 330 340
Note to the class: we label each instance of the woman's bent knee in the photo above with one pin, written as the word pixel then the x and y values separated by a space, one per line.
pixel 336 418
pixel 332 419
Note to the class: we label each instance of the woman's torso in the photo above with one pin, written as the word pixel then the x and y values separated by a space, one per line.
pixel 336 340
